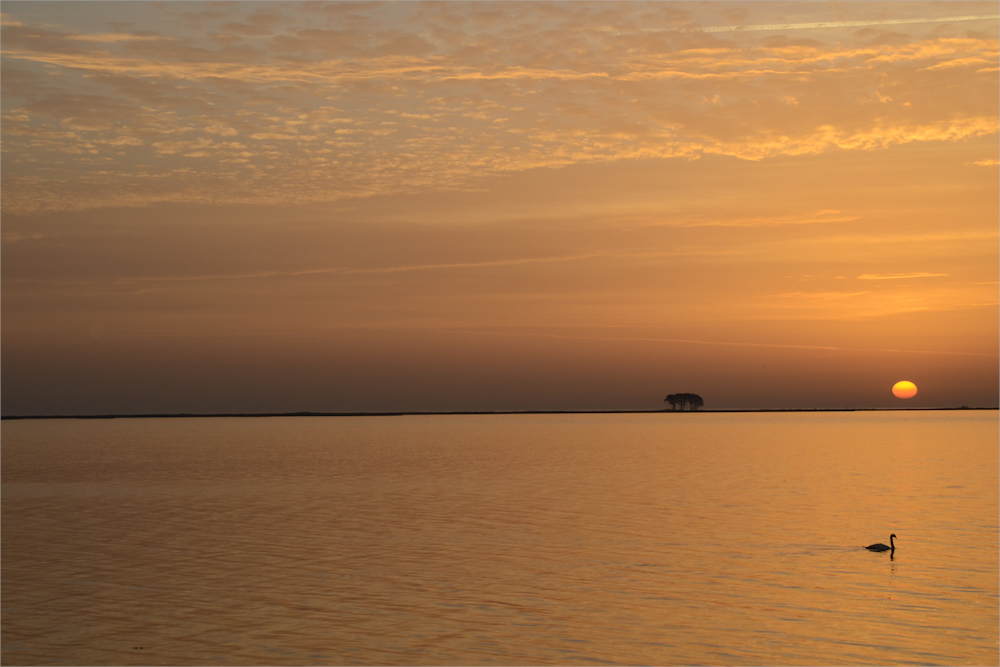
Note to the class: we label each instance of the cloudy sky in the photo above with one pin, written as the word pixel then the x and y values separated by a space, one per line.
pixel 282 206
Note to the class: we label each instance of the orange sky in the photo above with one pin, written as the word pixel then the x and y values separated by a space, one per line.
pixel 475 206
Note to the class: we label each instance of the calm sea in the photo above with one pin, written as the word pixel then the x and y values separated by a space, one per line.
pixel 663 539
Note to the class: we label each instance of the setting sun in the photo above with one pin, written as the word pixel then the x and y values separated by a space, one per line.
pixel 904 389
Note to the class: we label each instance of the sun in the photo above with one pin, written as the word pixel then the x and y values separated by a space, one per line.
pixel 904 389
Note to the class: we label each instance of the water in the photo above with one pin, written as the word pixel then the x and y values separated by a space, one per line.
pixel 510 539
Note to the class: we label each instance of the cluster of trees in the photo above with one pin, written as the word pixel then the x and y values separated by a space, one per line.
pixel 691 401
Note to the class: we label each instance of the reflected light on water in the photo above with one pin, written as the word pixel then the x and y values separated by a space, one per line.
pixel 508 539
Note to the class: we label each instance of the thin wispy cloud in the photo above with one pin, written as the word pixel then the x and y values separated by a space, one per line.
pixel 849 24
pixel 653 339
pixel 443 266
pixel 900 276
pixel 817 296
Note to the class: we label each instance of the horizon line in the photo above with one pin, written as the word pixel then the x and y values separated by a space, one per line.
pixel 403 413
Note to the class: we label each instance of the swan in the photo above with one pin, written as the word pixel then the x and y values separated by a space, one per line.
pixel 881 547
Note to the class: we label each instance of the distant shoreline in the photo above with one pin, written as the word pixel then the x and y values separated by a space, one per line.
pixel 468 412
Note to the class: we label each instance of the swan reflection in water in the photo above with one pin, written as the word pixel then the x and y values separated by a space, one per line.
pixel 878 546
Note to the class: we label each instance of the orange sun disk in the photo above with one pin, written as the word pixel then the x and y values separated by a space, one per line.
pixel 904 389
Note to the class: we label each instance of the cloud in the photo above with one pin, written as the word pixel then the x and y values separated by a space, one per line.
pixel 654 339
pixel 530 87
pixel 111 38
pixel 821 217
pixel 817 296
pixel 899 276
pixel 849 24
pixel 14 237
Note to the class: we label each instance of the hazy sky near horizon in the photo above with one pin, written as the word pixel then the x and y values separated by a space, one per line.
pixel 281 206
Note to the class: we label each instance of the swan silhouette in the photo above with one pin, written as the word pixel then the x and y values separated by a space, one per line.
pixel 881 547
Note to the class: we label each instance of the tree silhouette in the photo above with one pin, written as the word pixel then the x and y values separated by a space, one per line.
pixel 691 401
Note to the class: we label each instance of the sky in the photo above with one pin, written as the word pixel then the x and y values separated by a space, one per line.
pixel 283 206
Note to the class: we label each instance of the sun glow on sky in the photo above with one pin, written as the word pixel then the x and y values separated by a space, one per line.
pixel 270 206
